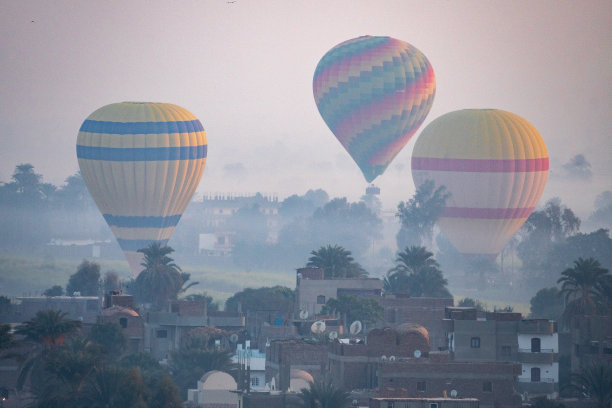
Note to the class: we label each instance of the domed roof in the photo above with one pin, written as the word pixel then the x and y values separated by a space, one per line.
pixel 116 310
pixel 407 328
pixel 300 374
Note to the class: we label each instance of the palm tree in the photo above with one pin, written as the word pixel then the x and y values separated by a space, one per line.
pixel 336 262
pixel 323 394
pixel 595 382
pixel 585 288
pixel 416 273
pixel 161 279
pixel 47 330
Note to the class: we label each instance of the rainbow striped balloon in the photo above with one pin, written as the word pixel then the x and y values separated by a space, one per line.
pixel 495 165
pixel 374 93
pixel 141 162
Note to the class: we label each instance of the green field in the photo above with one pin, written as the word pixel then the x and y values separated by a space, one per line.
pixel 20 275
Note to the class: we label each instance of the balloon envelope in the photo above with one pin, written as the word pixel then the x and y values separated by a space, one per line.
pixel 495 165
pixel 374 93
pixel 141 162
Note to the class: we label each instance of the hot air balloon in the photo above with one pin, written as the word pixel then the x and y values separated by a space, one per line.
pixel 141 162
pixel 374 93
pixel 495 165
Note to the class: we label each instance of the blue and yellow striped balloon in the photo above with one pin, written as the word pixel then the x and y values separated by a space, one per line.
pixel 142 163
pixel 374 93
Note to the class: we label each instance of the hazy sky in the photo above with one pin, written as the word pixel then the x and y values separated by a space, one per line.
pixel 245 68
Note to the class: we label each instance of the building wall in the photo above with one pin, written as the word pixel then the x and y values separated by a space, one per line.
pixel 549 343
pixel 284 355
pixel 313 293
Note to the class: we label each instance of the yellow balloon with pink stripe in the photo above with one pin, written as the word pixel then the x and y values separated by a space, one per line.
pixel 494 164
pixel 142 163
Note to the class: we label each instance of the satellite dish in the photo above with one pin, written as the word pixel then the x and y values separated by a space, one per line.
pixel 417 353
pixel 453 393
pixel 303 314
pixel 383 358
pixel 234 338
pixel 355 327
pixel 318 327
pixel 391 358
pixel 333 335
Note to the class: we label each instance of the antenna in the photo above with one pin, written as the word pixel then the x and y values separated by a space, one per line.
pixel 303 314
pixel 355 327
pixel 333 335
pixel 318 327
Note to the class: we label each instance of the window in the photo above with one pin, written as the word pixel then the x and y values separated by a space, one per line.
pixel 535 345
pixel 162 334
pixel 421 387
pixel 389 405
pixel 535 374
pixel 433 405
pixel 487 386
pixel 320 300
pixel 123 322
pixel 475 342
pixel 255 382
pixel 506 351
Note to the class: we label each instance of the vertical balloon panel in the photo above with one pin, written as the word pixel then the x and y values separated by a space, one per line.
pixel 494 164
pixel 142 163
pixel 373 93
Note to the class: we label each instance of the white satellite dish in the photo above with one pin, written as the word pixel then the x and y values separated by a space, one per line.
pixel 391 358
pixel 333 335
pixel 318 327
pixel 417 353
pixel 234 338
pixel 453 393
pixel 383 358
pixel 355 327
pixel 303 314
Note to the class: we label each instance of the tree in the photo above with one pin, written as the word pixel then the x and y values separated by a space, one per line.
pixel 188 364
pixel 47 330
pixel 111 337
pixel 419 214
pixel 115 387
pixel 6 338
pixel 416 273
pixel 595 382
pixel 161 279
pixel 469 302
pixel 586 288
pixel 336 262
pixel 547 304
pixel 211 305
pixel 323 394
pixel 55 290
pixel 86 280
pixel 110 282
pixel 165 394
pixel 352 308
pixel 264 298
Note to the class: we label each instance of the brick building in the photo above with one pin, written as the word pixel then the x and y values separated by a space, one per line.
pixel 591 341
pixel 131 322
pixel 399 402
pixel 428 312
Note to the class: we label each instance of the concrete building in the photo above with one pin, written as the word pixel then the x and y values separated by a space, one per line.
pixel 313 291
pixel 215 389
pixel 285 355
pixel 506 337
pixel 591 341
pixel 131 322
pixel 83 308
pixel 399 402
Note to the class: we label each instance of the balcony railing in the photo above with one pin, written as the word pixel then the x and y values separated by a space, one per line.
pixel 545 380
pixel 542 350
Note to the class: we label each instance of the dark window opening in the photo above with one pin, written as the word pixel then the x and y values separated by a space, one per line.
pixel 506 351
pixel 162 334
pixel 535 374
pixel 123 322
pixel 475 342
pixel 487 386
pixel 535 345
pixel 320 300
pixel 421 387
